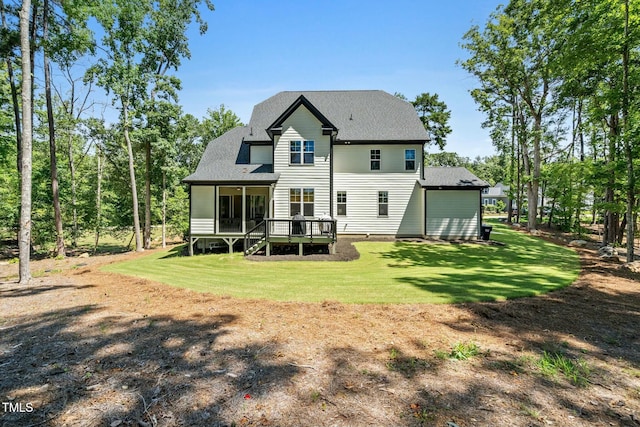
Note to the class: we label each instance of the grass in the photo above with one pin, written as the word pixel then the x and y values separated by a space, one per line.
pixel 387 272
pixel 576 371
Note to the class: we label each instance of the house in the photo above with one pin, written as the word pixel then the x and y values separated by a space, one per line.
pixel 491 195
pixel 340 162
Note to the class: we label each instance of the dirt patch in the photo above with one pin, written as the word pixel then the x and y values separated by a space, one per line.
pixel 81 347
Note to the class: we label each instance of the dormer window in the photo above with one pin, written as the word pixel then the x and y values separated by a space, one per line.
pixel 301 152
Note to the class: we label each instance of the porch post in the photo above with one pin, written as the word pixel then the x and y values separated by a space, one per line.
pixel 244 209
pixel 216 198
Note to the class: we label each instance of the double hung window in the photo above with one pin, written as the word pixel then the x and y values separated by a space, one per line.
pixel 301 152
pixel 383 203
pixel 410 160
pixel 301 201
pixel 375 160
pixel 342 203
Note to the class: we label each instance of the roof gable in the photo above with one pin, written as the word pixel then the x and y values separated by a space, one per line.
pixel 276 127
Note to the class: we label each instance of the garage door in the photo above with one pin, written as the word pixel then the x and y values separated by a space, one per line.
pixel 453 214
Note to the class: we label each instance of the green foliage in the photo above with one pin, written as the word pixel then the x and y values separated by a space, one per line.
pixel 464 350
pixel 576 371
pixel 218 122
pixel 434 116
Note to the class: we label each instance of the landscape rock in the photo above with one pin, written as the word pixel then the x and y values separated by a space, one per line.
pixel 578 243
pixel 535 232
pixel 633 267
pixel 607 251
pixel 84 255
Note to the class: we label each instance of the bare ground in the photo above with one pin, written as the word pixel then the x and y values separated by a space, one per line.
pixel 81 347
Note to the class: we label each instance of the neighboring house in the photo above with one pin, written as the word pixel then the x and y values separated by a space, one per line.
pixel 353 156
pixel 491 195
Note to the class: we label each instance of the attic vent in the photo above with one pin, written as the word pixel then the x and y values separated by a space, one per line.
pixel 251 131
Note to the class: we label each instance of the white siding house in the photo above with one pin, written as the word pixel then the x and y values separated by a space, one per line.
pixel 356 156
pixel 361 184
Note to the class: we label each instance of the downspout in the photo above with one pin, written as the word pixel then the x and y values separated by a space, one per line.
pixel 479 231
pixel 331 139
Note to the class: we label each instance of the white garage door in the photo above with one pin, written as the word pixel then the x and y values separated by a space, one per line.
pixel 453 214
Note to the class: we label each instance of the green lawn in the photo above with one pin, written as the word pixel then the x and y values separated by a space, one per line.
pixel 386 272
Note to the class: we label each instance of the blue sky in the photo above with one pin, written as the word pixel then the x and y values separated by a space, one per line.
pixel 254 49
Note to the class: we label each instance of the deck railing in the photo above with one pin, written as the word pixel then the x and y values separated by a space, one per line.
pixel 308 229
pixel 301 228
pixel 255 236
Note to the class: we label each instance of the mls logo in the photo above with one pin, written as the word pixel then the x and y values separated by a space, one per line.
pixel 17 407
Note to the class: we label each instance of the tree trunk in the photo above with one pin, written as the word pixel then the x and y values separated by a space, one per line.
pixel 98 200
pixel 24 241
pixel 132 178
pixel 74 196
pixel 147 196
pixel 53 160
pixel 627 137
pixel 164 209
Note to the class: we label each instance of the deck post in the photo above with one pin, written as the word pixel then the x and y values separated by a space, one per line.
pixel 300 248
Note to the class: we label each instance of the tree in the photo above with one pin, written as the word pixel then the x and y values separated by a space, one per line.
pixel 60 251
pixel 167 45
pixel 217 122
pixel 512 58
pixel 24 241
pixel 434 116
pixel 122 74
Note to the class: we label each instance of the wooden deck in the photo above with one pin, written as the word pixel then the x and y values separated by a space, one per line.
pixel 289 231
pixel 271 232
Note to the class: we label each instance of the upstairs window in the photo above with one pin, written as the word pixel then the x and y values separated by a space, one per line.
pixel 309 152
pixel 375 160
pixel 301 152
pixel 410 160
pixel 342 203
pixel 383 203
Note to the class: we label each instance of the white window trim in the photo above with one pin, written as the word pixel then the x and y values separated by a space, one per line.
pixel 338 203
pixel 302 203
pixel 302 152
pixel 383 203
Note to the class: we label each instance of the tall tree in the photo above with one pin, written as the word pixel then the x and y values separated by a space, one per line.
pixel 513 60
pixel 121 74
pixel 434 116
pixel 60 250
pixel 24 241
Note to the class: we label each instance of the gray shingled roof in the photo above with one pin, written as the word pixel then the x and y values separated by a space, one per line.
pixel 226 159
pixel 451 178
pixel 359 115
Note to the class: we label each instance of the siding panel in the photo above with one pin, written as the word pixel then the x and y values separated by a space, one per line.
pixel 405 204
pixel 202 209
pixel 302 125
pixel 452 214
